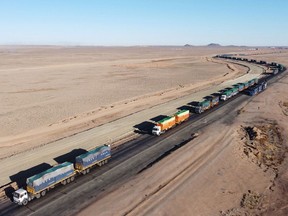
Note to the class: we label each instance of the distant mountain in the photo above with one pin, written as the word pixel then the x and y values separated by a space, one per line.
pixel 214 45
pixel 188 45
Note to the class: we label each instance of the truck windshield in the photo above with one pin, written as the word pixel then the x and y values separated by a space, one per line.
pixel 16 195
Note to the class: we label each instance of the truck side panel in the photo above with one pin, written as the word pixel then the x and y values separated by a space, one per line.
pixel 92 157
pixel 165 125
pixel 49 177
pixel 181 116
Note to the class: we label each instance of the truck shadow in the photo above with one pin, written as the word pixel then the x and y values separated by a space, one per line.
pixel 216 94
pixel 158 118
pixel 185 107
pixel 9 192
pixel 144 127
pixel 20 177
pixel 70 156
pixel 193 103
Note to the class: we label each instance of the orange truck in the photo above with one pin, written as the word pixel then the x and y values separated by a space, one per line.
pixel 169 122
pixel 181 116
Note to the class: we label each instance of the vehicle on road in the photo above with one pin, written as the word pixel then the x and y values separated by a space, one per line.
pixel 170 121
pixel 225 95
pixel 64 173
pixel 202 106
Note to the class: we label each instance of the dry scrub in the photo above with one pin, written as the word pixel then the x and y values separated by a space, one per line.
pixel 263 144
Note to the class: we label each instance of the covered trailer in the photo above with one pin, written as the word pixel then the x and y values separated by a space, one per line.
pixel 39 184
pixel 214 100
pixel 202 106
pixel 181 116
pixel 253 81
pixel 50 177
pixel 240 87
pixel 246 85
pixel 97 156
pixel 164 125
pixel 226 95
pixel 234 91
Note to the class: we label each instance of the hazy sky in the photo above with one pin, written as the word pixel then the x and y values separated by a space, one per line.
pixel 144 22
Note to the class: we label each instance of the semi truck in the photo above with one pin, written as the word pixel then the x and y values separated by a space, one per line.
pixel 202 106
pixel 240 87
pixel 234 91
pixel 39 184
pixel 226 95
pixel 165 124
pixel 257 88
pixel 64 173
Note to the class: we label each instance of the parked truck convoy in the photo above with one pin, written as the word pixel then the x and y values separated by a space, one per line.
pixel 63 173
pixel 39 184
pixel 165 124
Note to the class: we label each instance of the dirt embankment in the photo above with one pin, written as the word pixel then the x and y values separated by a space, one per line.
pixel 263 145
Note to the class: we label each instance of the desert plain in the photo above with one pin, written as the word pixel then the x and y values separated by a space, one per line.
pixel 48 93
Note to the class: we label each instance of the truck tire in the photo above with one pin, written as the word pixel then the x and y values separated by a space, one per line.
pixel 25 202
pixel 84 172
pixel 88 170
pixel 64 182
pixel 68 180
pixel 72 178
pixel 43 193
pixel 100 164
pixel 38 195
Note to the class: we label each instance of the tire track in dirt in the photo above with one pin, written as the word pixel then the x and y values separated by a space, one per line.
pixel 206 158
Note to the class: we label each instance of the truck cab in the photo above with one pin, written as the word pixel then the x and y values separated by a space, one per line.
pixel 223 97
pixel 156 130
pixel 198 109
pixel 21 197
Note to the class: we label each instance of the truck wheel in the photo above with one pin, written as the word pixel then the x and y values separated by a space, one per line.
pixel 88 170
pixel 38 195
pixel 100 163
pixel 84 172
pixel 72 178
pixel 25 202
pixel 68 180
pixel 43 193
pixel 64 182
pixel 106 161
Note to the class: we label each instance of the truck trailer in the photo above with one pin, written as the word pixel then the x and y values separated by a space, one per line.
pixel 164 125
pixel 181 116
pixel 39 184
pixel 214 100
pixel 202 106
pixel 226 95
pixel 63 173
pixel 98 156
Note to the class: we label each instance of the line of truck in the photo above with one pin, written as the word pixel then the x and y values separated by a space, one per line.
pixel 38 185
pixel 251 87
pixel 275 67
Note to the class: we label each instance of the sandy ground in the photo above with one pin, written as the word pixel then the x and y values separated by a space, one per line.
pixel 222 171
pixel 51 92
